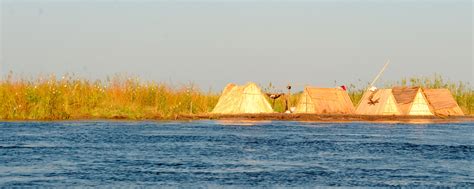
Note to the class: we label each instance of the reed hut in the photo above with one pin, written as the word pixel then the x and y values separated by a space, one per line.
pixel 324 101
pixel 411 101
pixel 379 102
pixel 247 99
pixel 442 102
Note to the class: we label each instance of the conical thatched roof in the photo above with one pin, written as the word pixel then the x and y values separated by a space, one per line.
pixel 380 102
pixel 325 101
pixel 411 101
pixel 242 100
pixel 442 102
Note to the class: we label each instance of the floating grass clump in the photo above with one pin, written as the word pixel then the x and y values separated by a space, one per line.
pixel 119 97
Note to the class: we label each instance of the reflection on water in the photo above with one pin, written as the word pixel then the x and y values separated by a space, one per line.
pixel 229 153
pixel 242 122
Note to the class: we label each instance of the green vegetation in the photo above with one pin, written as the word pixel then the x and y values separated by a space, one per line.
pixel 128 98
pixel 73 98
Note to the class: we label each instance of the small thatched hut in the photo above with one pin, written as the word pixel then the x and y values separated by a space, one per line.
pixel 242 100
pixel 442 102
pixel 411 101
pixel 379 102
pixel 324 101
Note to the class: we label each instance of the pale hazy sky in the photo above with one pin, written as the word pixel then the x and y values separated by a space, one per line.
pixel 215 42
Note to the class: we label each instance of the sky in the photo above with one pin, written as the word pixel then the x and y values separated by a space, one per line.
pixel 212 43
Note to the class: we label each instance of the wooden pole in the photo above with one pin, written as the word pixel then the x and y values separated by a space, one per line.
pixel 380 74
pixel 375 80
pixel 288 98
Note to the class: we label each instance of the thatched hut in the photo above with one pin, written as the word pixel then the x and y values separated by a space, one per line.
pixel 245 99
pixel 442 102
pixel 324 101
pixel 379 102
pixel 411 101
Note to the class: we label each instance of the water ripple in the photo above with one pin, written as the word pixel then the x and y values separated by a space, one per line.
pixel 235 154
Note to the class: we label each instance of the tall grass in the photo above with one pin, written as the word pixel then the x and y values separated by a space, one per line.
pixel 119 97
pixel 70 97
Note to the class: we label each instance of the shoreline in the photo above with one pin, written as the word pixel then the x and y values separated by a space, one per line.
pixel 332 118
pixel 275 117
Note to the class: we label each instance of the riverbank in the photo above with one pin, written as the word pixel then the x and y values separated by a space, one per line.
pixel 278 117
pixel 329 118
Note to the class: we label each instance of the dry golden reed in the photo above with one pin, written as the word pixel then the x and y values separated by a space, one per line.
pixel 121 97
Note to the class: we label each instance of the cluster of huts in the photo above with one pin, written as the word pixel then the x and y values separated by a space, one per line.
pixel 249 99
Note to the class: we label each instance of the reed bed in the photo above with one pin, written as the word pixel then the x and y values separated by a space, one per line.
pixel 116 98
pixel 69 97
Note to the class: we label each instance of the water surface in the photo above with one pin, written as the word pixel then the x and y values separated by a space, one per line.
pixel 236 154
